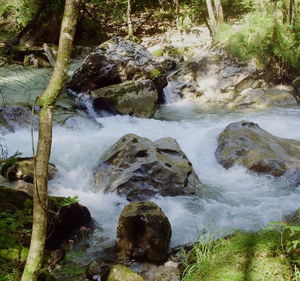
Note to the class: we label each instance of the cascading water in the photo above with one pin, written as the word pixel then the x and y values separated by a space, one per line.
pixel 234 199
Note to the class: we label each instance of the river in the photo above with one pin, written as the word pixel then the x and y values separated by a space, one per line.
pixel 234 198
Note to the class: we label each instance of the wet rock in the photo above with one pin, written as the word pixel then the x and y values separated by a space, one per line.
pixel 122 273
pixel 143 233
pixel 62 224
pixel 151 272
pixel 116 61
pixel 98 269
pixel 66 224
pixel 139 168
pixel 14 117
pixel 24 186
pixel 137 98
pixel 261 98
pixel 296 85
pixel 245 143
pixel 168 63
pixel 293 218
pixel 22 169
pixel 35 61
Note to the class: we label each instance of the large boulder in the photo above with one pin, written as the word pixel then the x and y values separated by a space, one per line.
pixel 116 61
pixel 138 98
pixel 143 233
pixel 245 143
pixel 139 168
pixel 21 168
pixel 63 223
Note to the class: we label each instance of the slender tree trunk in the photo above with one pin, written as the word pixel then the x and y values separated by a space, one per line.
pixel 177 12
pixel 47 103
pixel 219 12
pixel 129 21
pixel 212 17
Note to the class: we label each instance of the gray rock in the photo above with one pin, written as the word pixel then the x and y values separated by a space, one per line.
pixel 137 98
pixel 139 168
pixel 15 117
pixel 98 269
pixel 245 143
pixel 296 85
pixel 116 61
pixel 143 233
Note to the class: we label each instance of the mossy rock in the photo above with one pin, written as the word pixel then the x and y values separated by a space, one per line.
pixel 21 168
pixel 136 98
pixel 143 233
pixel 122 273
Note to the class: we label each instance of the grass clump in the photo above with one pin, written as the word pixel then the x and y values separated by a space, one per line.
pixel 239 257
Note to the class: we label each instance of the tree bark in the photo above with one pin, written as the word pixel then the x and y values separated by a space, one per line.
pixel 47 103
pixel 219 11
pixel 177 12
pixel 212 17
pixel 129 21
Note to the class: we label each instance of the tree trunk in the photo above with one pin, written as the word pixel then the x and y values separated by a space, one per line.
pixel 219 11
pixel 129 22
pixel 47 103
pixel 211 14
pixel 177 12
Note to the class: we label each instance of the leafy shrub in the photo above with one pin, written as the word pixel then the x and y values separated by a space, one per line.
pixel 264 38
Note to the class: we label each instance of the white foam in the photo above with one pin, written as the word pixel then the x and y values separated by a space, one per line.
pixel 237 199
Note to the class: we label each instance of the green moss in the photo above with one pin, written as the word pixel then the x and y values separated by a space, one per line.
pixel 14 254
pixel 158 52
pixel 155 73
pixel 123 273
pixel 243 256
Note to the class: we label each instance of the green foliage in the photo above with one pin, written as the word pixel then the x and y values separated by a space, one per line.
pixel 290 241
pixel 15 230
pixel 68 201
pixel 9 271
pixel 265 38
pixel 238 257
pixel 14 225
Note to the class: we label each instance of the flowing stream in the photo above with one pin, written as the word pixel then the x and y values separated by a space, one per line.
pixel 234 198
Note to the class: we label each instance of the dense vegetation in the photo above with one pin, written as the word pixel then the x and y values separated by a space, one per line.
pixel 267 31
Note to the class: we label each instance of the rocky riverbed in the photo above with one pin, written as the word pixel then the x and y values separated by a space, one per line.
pixel 173 159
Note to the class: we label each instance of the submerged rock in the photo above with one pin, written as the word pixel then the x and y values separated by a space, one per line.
pixel 137 98
pixel 245 143
pixel 139 168
pixel 116 61
pixel 14 117
pixel 143 233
